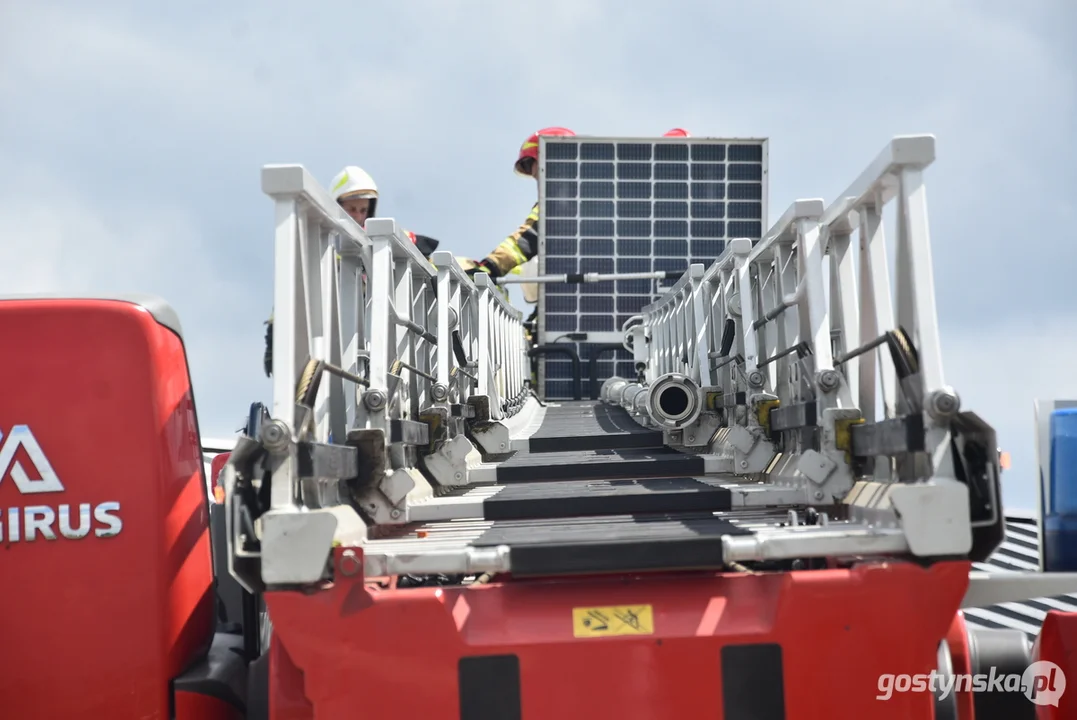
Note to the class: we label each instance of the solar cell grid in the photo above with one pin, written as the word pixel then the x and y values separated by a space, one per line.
pixel 616 205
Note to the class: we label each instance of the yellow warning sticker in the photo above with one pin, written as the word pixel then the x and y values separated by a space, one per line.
pixel 610 621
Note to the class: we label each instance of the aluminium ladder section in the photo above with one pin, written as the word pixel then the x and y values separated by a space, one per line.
pixel 620 500
pixel 770 395
pixel 428 339
pixel 591 458
pixel 779 381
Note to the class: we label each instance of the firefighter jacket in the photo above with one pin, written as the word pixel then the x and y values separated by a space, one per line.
pixel 517 248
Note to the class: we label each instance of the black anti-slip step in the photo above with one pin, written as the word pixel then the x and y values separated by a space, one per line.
pixel 597 464
pixel 574 498
pixel 590 425
pixel 620 543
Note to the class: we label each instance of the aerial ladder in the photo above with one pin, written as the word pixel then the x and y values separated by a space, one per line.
pixel 770 517
pixel 780 507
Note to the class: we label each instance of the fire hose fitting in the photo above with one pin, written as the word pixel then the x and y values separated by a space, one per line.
pixel 674 401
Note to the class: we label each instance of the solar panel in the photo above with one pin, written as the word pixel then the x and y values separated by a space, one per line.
pixel 629 205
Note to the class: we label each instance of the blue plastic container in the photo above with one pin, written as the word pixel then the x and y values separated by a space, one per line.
pixel 1060 509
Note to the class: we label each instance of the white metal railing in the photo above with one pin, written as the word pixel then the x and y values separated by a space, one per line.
pixel 504 370
pixel 794 337
pixel 458 355
pixel 403 318
pixel 790 339
pixel 698 329
pixel 704 329
pixel 481 343
pixel 371 341
pixel 369 336
pixel 318 311
pixel 407 332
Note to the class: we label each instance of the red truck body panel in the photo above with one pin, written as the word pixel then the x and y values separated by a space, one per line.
pixel 108 599
pixel 1057 643
pixel 510 650
pixel 96 622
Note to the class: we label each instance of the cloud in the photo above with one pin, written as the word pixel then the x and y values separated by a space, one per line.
pixel 133 136
pixel 1000 369
pixel 54 241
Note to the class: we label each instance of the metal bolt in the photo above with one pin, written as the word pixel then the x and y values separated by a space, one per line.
pixel 275 435
pixel 374 399
pixel 755 378
pixel 945 402
pixel 744 463
pixel 829 380
pixel 818 494
pixel 691 438
pixel 394 514
pixel 439 392
pixel 350 564
pixel 459 476
pixel 502 446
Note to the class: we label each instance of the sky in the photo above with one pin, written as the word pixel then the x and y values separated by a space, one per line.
pixel 132 136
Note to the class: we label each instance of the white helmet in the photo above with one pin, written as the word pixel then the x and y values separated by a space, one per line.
pixel 354 182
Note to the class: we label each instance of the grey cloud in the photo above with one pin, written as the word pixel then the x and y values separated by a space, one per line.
pixel 128 124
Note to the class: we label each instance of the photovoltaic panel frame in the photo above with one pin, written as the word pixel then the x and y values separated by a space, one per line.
pixel 640 204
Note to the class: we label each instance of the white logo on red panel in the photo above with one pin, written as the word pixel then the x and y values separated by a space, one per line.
pixel 45 522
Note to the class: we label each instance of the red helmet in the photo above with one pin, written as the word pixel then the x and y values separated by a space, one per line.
pixel 530 148
pixel 676 132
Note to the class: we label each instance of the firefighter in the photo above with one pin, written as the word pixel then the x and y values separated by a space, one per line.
pixel 469 266
pixel 355 191
pixel 522 245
